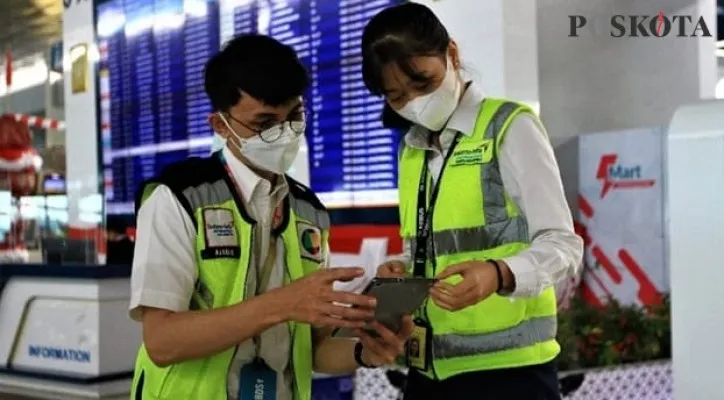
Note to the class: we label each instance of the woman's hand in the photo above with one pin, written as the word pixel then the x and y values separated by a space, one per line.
pixel 480 280
pixel 391 269
pixel 387 346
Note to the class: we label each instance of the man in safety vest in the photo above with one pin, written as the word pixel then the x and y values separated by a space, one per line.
pixel 228 273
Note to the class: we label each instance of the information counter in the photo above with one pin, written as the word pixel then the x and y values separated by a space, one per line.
pixel 65 332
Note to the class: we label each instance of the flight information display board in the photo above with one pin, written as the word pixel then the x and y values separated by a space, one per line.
pixel 154 110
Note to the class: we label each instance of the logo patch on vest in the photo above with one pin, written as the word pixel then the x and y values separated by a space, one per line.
pixel 473 154
pixel 221 237
pixel 310 241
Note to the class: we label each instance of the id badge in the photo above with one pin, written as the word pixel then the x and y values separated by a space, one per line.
pixel 418 346
pixel 257 381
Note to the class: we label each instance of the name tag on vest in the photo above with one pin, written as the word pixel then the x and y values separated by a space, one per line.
pixel 220 236
pixel 472 153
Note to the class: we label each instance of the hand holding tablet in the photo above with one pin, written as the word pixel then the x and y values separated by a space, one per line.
pixel 397 297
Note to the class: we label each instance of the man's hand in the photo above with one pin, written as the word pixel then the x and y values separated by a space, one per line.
pixel 313 300
pixel 391 269
pixel 479 281
pixel 387 346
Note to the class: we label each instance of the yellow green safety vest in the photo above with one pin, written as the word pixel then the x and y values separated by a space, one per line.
pixel 475 219
pixel 204 189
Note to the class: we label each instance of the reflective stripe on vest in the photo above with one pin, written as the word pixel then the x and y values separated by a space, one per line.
pixel 463 240
pixel 308 212
pixel 500 227
pixel 529 332
pixel 218 192
pixel 207 193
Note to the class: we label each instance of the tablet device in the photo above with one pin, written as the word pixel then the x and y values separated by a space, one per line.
pixel 395 298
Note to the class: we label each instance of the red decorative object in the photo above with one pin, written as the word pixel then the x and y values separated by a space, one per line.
pixel 647 294
pixel 19 167
pixel 348 238
pixel 40 122
pixel 14 134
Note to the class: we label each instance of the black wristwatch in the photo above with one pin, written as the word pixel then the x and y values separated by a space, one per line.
pixel 358 356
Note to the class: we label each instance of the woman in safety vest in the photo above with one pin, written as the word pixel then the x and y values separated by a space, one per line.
pixel 482 209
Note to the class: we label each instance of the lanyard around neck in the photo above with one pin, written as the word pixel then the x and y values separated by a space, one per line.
pixel 269 261
pixel 424 212
pixel 264 277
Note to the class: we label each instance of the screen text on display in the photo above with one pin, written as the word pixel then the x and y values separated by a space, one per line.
pixel 154 110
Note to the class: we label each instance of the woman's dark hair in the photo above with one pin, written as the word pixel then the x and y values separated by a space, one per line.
pixel 396 35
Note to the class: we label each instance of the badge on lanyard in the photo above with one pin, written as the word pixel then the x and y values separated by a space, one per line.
pixel 418 346
pixel 257 381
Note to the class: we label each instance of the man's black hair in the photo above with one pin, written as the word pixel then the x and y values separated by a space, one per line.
pixel 258 65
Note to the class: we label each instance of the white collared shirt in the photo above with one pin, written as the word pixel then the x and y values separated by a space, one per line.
pixel 165 270
pixel 531 177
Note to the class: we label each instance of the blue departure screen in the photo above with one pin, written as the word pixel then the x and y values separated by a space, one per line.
pixel 154 110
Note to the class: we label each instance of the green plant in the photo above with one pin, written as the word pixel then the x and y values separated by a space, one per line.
pixel 593 336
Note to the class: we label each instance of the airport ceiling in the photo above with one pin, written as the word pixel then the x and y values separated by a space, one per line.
pixel 29 26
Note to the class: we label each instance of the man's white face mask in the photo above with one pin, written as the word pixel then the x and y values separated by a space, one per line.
pixel 277 156
pixel 433 110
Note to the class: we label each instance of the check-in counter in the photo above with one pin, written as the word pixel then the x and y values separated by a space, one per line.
pixel 65 331
pixel 65 334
